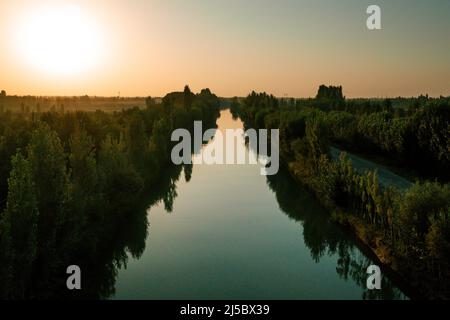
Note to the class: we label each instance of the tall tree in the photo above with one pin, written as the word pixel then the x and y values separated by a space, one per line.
pixel 18 229
pixel 188 97
pixel 83 171
pixel 49 171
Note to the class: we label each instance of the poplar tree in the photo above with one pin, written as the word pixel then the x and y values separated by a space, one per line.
pixel 19 228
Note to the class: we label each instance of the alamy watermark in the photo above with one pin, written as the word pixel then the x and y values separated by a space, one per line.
pixel 224 149
pixel 74 280
pixel 375 277
pixel 374 20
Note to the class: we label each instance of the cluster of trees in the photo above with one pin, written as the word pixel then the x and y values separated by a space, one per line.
pixel 420 142
pixel 69 180
pixel 330 97
pixel 417 140
pixel 409 230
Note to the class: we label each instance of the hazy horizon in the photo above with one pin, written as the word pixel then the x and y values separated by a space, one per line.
pixel 287 48
pixel 219 96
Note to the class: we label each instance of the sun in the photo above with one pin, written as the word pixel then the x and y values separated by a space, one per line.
pixel 59 40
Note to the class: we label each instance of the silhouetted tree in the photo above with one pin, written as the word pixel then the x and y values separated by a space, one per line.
pixel 188 97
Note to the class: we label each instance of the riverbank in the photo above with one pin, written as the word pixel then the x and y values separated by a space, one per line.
pixel 405 225
pixel 418 285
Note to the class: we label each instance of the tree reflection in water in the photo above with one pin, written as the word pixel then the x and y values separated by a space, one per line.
pixel 324 237
pixel 103 250
pixel 107 245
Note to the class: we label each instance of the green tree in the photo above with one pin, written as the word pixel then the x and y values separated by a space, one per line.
pixel 137 140
pixel 159 142
pixel 438 246
pixel 421 205
pixel 84 173
pixel 18 229
pixel 49 171
pixel 48 163
pixel 122 183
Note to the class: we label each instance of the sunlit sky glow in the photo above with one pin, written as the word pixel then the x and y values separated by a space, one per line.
pixel 58 40
pixel 146 47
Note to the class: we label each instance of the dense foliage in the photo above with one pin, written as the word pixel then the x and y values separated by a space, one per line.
pixel 411 134
pixel 63 171
pixel 409 230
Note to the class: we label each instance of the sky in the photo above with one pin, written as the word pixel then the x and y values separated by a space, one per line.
pixel 284 47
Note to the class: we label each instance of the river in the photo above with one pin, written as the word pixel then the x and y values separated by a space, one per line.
pixel 226 232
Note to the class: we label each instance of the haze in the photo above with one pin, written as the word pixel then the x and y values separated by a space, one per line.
pixel 289 47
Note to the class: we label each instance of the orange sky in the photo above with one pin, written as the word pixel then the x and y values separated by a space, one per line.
pixel 142 47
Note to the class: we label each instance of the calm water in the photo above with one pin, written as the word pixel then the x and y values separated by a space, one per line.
pixel 230 233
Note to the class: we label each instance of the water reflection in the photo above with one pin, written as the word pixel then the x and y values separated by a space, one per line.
pixel 229 248
pixel 324 237
pixel 242 220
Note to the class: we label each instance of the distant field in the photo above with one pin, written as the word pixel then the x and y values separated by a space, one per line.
pixel 28 104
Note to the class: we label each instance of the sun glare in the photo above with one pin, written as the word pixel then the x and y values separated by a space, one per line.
pixel 59 40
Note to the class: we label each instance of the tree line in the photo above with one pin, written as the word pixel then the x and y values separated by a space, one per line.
pixel 408 230
pixel 69 180
pixel 410 134
pixel 27 105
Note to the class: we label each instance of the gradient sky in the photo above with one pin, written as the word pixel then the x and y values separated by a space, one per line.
pixel 234 46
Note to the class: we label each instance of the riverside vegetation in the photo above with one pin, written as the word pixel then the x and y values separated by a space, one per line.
pixel 63 171
pixel 408 230
pixel 72 183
